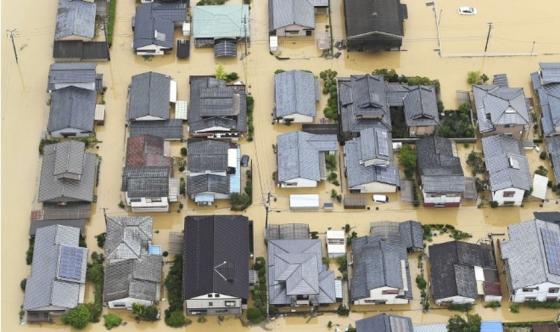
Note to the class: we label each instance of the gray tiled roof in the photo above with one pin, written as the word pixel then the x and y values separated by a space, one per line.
pixel 72 108
pixel 548 93
pixel 127 237
pixel 359 174
pixel 496 105
pixel 525 255
pixel 550 72
pixel 208 183
pixel 362 103
pixel 420 106
pixel 135 278
pixel 80 75
pixel 68 173
pixel 284 13
pixel 299 155
pixel 171 129
pixel 75 19
pixel 213 103
pixel 76 223
pixel 553 147
pixel 506 163
pixel 360 22
pixel 295 268
pixel 157 17
pixel 216 256
pixel 440 170
pixel 452 268
pixel 149 96
pixel 408 234
pixel 384 323
pixel 207 155
pixel 377 263
pixel 48 287
pixel 146 181
pixel 295 93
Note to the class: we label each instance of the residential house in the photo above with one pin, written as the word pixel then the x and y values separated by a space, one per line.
pixel 531 261
pixel 68 174
pixel 75 20
pixel 147 181
pixel 374 25
pixel 362 103
pixel 72 112
pixel 421 110
pixel 293 18
pixel 154 27
pixel 127 237
pixel 169 130
pixel 217 109
pixel 58 273
pixel 546 84
pixel 553 148
pixel 38 224
pixel 132 272
pixel 408 234
pixel 150 96
pixel 508 169
pixel 462 272
pixel 380 272
pixel 297 275
pixel 385 323
pixel 292 231
pixel 301 158
pixel 441 174
pixel 368 161
pixel 213 170
pixel 296 96
pixel 501 110
pixel 77 75
pixel 216 255
pixel 221 27
pixel 79 50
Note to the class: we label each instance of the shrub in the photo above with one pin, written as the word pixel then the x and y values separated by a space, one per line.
pixel 407 159
pixel 184 151
pixel 111 320
pixel 22 284
pixel 176 318
pixel 459 324
pixel 278 71
pixel 29 252
pixel 492 304
pixel 494 204
pixel 541 171
pixel 460 307
pixel 240 202
pixel 111 21
pixel 457 123
pixel 121 204
pixel 231 77
pixel 476 77
pixel 146 313
pixel 342 310
pixel 476 162
pixel 255 316
pixel 77 317
pixel 101 239
pixel 514 308
pixel 334 194
pixel 165 254
pixel 220 71
pixel 543 155
pixel 421 282
pixel 182 186
pixel 330 161
pixel 332 177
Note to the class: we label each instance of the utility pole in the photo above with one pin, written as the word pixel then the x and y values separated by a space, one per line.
pixel 11 32
pixel 245 32
pixel 267 209
pixel 533 47
pixel 488 36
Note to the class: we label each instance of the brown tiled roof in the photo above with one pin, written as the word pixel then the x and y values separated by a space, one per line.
pixel 145 150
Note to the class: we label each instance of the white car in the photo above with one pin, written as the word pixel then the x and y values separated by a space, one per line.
pixel 467 11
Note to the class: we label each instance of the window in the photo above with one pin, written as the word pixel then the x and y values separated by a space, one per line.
pixel 509 194
pixel 135 200
pixel 210 304
pixel 309 33
pixel 390 291
pixel 230 303
pixel 529 289
pixel 553 290
pixel 530 298
pixel 119 305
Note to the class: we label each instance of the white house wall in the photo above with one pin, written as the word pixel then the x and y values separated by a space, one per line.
pixel 297 118
pixel 375 187
pixel 151 50
pixel 376 295
pixel 126 303
pixel 301 31
pixel 541 293
pixel 71 132
pixel 299 183
pixel 516 199
pixel 455 300
pixel 441 199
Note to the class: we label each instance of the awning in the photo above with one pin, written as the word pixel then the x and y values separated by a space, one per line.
pixel 225 48
pixel 540 184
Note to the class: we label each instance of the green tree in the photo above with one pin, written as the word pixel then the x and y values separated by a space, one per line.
pixel 111 320
pixel 220 72
pixel 176 318
pixel 255 316
pixel 407 159
pixel 459 324
pixel 77 317
pixel 147 313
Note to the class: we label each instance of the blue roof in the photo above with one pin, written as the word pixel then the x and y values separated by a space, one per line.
pixel 235 179
pixel 204 198
pixel 491 326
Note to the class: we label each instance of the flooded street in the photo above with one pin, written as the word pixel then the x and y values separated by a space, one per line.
pixel 25 113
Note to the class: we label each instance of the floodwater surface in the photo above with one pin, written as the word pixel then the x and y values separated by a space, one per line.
pixel 516 25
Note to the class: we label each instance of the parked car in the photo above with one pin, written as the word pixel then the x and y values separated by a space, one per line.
pixel 467 10
pixel 244 160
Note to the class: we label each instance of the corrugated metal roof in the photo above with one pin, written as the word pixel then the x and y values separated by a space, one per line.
pixel 221 21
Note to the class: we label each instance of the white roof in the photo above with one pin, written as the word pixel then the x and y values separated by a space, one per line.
pixel 540 184
pixel 181 107
pixel 172 91
pixel 99 112
pixel 336 242
pixel 304 201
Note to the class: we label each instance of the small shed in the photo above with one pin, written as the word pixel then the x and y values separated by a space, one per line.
pixel 336 243
pixel 181 109
pixel 304 202
pixel 540 185
pixel 174 184
pixel 183 49
pixel 99 114
pixel 354 202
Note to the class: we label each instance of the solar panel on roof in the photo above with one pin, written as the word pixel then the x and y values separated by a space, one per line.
pixel 382 142
pixel 551 243
pixel 70 263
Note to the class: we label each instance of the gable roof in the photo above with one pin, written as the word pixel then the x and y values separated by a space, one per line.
pixel 221 21
pixel 75 18
pixel 440 170
pixel 506 163
pixel 408 234
pixel 525 253
pixel 154 23
pixel 216 106
pixel 72 107
pixel 146 181
pixel 377 263
pixel 284 13
pixel 295 268
pixel 546 84
pixel 295 93
pixel 384 323
pixel 171 129
pixel 366 18
pixel 146 150
pixel 362 102
pixel 452 268
pixel 133 278
pixel 216 256
pixel 58 270
pixel 299 155
pixel 79 75
pixel 208 183
pixel 553 148
pixel 498 105
pixel 149 96
pixel 127 237
pixel 68 173
pixel 207 155
pixel 420 106
pixel 550 72
pixel 358 150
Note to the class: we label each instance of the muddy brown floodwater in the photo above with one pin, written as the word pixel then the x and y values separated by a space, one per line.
pixel 516 24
